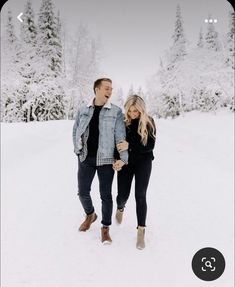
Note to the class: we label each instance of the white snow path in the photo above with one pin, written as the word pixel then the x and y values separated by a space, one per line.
pixel 190 206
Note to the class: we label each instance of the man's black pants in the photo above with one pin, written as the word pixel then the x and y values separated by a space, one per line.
pixel 86 173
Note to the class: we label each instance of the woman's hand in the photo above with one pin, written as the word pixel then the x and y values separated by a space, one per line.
pixel 118 165
pixel 123 145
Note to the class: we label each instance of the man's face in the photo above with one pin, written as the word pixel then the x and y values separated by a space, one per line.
pixel 104 92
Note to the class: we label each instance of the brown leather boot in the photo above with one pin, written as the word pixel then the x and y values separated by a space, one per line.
pixel 105 237
pixel 88 221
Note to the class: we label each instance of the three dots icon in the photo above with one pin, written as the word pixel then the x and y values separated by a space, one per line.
pixel 211 20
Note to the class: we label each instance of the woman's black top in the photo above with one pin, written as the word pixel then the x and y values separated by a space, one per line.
pixel 137 150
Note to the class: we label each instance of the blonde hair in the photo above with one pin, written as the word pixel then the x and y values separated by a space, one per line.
pixel 146 126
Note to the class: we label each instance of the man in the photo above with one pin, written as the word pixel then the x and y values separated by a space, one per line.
pixel 98 127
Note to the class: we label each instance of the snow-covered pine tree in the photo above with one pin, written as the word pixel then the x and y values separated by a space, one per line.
pixel 49 42
pixel 227 99
pixel 172 94
pixel 58 26
pixel 201 80
pixel 214 86
pixel 171 99
pixel 10 29
pixel 211 37
pixel 28 26
pixel 162 74
pixel 48 102
pixel 159 90
pixel 207 77
pixel 61 40
pixel 30 59
pixel 230 40
pixel 200 43
pixel 11 100
pixel 178 49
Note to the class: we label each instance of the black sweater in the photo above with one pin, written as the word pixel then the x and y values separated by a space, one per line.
pixel 93 139
pixel 137 150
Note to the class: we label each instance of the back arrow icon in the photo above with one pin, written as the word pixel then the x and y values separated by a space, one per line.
pixel 18 17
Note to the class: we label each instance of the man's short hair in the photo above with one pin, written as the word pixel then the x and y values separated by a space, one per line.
pixel 98 82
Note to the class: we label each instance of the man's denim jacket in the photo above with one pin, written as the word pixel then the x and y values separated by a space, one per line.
pixel 111 132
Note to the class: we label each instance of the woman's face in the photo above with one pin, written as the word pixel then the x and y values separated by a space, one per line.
pixel 133 113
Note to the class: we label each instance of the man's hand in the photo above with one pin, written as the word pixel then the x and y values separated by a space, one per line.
pixel 118 165
pixel 123 145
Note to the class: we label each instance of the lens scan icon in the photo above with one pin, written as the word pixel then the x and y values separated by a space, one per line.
pixel 208 264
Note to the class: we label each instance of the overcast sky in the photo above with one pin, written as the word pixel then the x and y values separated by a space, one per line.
pixel 134 33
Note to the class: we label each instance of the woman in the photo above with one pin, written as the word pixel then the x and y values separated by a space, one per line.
pixel 140 141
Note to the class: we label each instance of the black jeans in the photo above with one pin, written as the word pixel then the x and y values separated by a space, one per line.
pixel 141 170
pixel 86 173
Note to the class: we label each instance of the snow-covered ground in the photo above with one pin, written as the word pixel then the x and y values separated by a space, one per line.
pixel 190 206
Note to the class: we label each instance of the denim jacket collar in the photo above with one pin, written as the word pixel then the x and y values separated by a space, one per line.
pixel 91 103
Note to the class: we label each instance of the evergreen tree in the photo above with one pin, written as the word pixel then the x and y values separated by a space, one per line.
pixel 178 50
pixel 11 100
pixel 48 98
pixel 61 40
pixel 170 105
pixel 229 46
pixel 200 43
pixel 35 65
pixel 49 42
pixel 28 26
pixel 211 37
pixel 11 44
pixel 10 30
pixel 200 80
pixel 172 92
pixel 48 104
pixel 30 58
pixel 58 25
pixel 162 74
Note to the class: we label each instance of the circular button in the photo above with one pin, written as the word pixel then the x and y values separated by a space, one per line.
pixel 208 264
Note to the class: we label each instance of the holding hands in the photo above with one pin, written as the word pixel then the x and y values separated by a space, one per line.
pixel 123 145
pixel 118 165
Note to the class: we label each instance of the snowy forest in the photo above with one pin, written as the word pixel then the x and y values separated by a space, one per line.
pixel 47 73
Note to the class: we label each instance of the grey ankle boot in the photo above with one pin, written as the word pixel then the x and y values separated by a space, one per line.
pixel 140 244
pixel 119 215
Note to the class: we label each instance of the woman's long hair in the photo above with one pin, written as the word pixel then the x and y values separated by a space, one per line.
pixel 146 126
